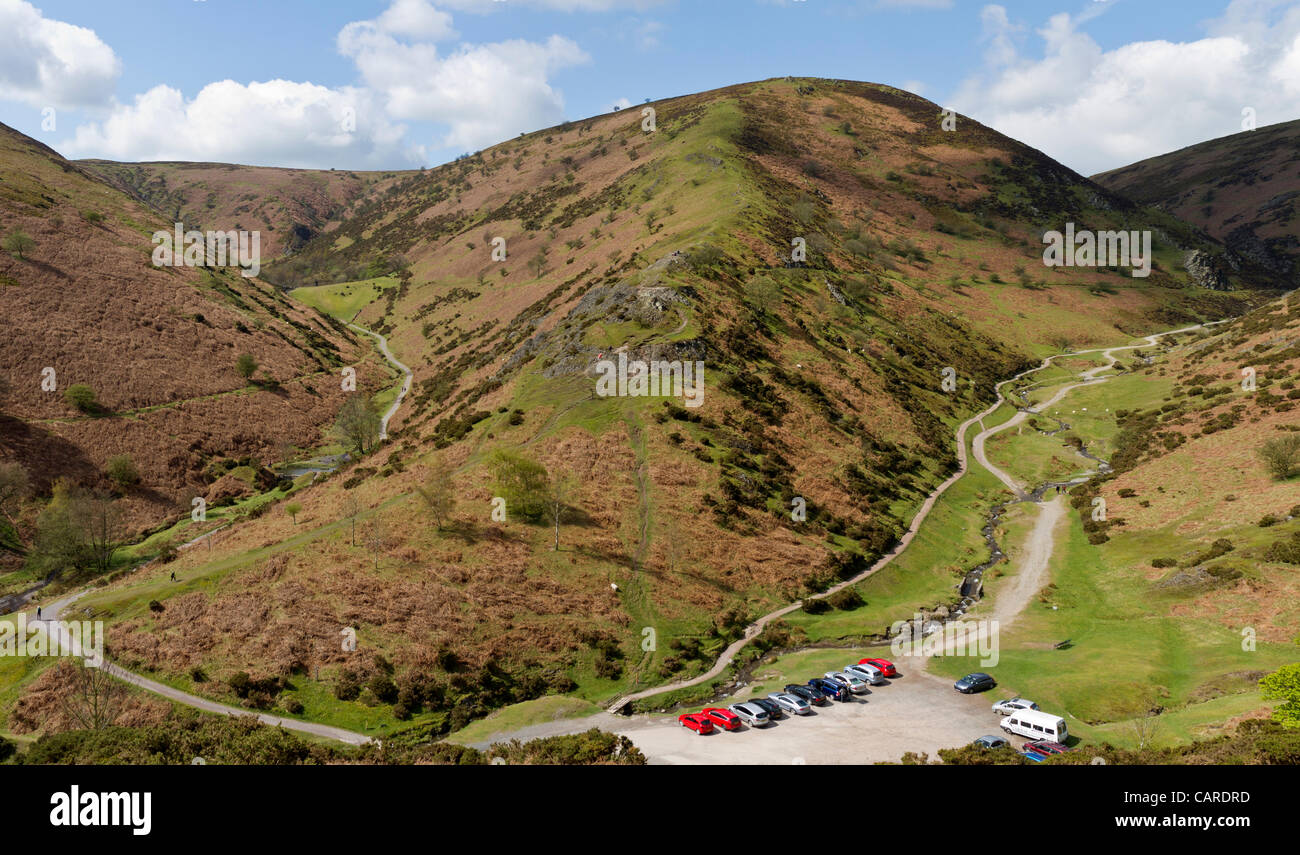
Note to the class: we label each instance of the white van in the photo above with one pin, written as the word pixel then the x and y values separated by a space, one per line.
pixel 1036 724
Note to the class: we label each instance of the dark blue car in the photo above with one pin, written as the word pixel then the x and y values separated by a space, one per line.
pixel 829 688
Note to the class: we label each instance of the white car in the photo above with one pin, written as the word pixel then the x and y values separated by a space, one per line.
pixel 856 684
pixel 1011 705
pixel 869 673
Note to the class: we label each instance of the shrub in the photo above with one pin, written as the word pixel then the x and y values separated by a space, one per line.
pixel 817 606
pixel 1163 562
pixel 82 397
pixel 348 686
pixel 846 600
pixel 246 365
pixel 121 469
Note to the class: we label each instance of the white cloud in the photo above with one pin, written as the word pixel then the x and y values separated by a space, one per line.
pixel 482 93
pixel 48 63
pixel 275 123
pixel 552 5
pixel 1097 109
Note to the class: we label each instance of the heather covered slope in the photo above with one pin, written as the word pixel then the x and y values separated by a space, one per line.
pixel 288 206
pixel 823 382
pixel 157 346
pixel 1243 189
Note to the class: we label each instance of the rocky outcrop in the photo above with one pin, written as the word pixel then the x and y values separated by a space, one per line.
pixel 1205 270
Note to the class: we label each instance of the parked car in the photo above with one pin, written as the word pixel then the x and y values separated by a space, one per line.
pixel 990 742
pixel 769 706
pixel 1011 705
pixel 830 688
pixel 886 667
pixel 869 673
pixel 793 704
pixel 977 682
pixel 855 684
pixel 1046 746
pixel 751 713
pixel 696 722
pixel 808 693
pixel 1031 755
pixel 725 719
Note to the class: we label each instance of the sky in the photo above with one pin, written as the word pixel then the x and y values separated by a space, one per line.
pixel 386 84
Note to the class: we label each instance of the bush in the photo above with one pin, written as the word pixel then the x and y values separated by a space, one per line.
pixel 817 606
pixel 246 365
pixel 82 397
pixel 383 688
pixel 1163 562
pixel 1268 520
pixel 846 600
pixel 293 706
pixel 348 687
pixel 121 469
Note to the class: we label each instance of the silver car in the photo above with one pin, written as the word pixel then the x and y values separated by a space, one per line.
pixel 1011 705
pixel 751 714
pixel 869 673
pixel 792 704
pixel 855 684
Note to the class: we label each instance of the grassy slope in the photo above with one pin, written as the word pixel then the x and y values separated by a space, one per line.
pixel 728 169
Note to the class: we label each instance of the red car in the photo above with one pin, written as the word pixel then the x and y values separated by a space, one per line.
pixel 725 719
pixel 886 667
pixel 1046 747
pixel 697 722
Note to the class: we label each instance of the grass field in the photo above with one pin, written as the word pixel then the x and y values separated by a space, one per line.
pixel 345 299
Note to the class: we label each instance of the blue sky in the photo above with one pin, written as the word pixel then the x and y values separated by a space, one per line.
pixel 1094 84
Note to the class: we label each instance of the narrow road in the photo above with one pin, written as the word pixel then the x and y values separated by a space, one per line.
pixel 54 612
pixel 406 381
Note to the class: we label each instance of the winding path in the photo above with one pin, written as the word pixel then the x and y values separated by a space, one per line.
pixel 393 360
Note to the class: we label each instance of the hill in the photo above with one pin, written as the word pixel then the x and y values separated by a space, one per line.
pixel 157 347
pixel 288 206
pixel 1243 189
pixel 832 383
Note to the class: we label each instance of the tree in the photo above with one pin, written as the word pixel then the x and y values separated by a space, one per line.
pixel 77 530
pixel 246 365
pixel 1281 455
pixel 121 469
pixel 100 522
pixel 352 507
pixel 763 293
pixel 438 491
pixel 293 509
pixel 14 487
pixel 1284 685
pixel 559 489
pixel 521 481
pixel 82 397
pixel 19 243
pixel 358 425
pixel 95 699
pixel 377 539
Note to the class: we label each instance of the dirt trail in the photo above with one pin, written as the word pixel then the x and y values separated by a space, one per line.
pixel 382 341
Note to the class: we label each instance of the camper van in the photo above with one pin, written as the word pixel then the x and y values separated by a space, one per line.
pixel 1035 724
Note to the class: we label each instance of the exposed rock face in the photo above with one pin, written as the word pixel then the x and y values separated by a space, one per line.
pixel 1204 270
pixel 1244 242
